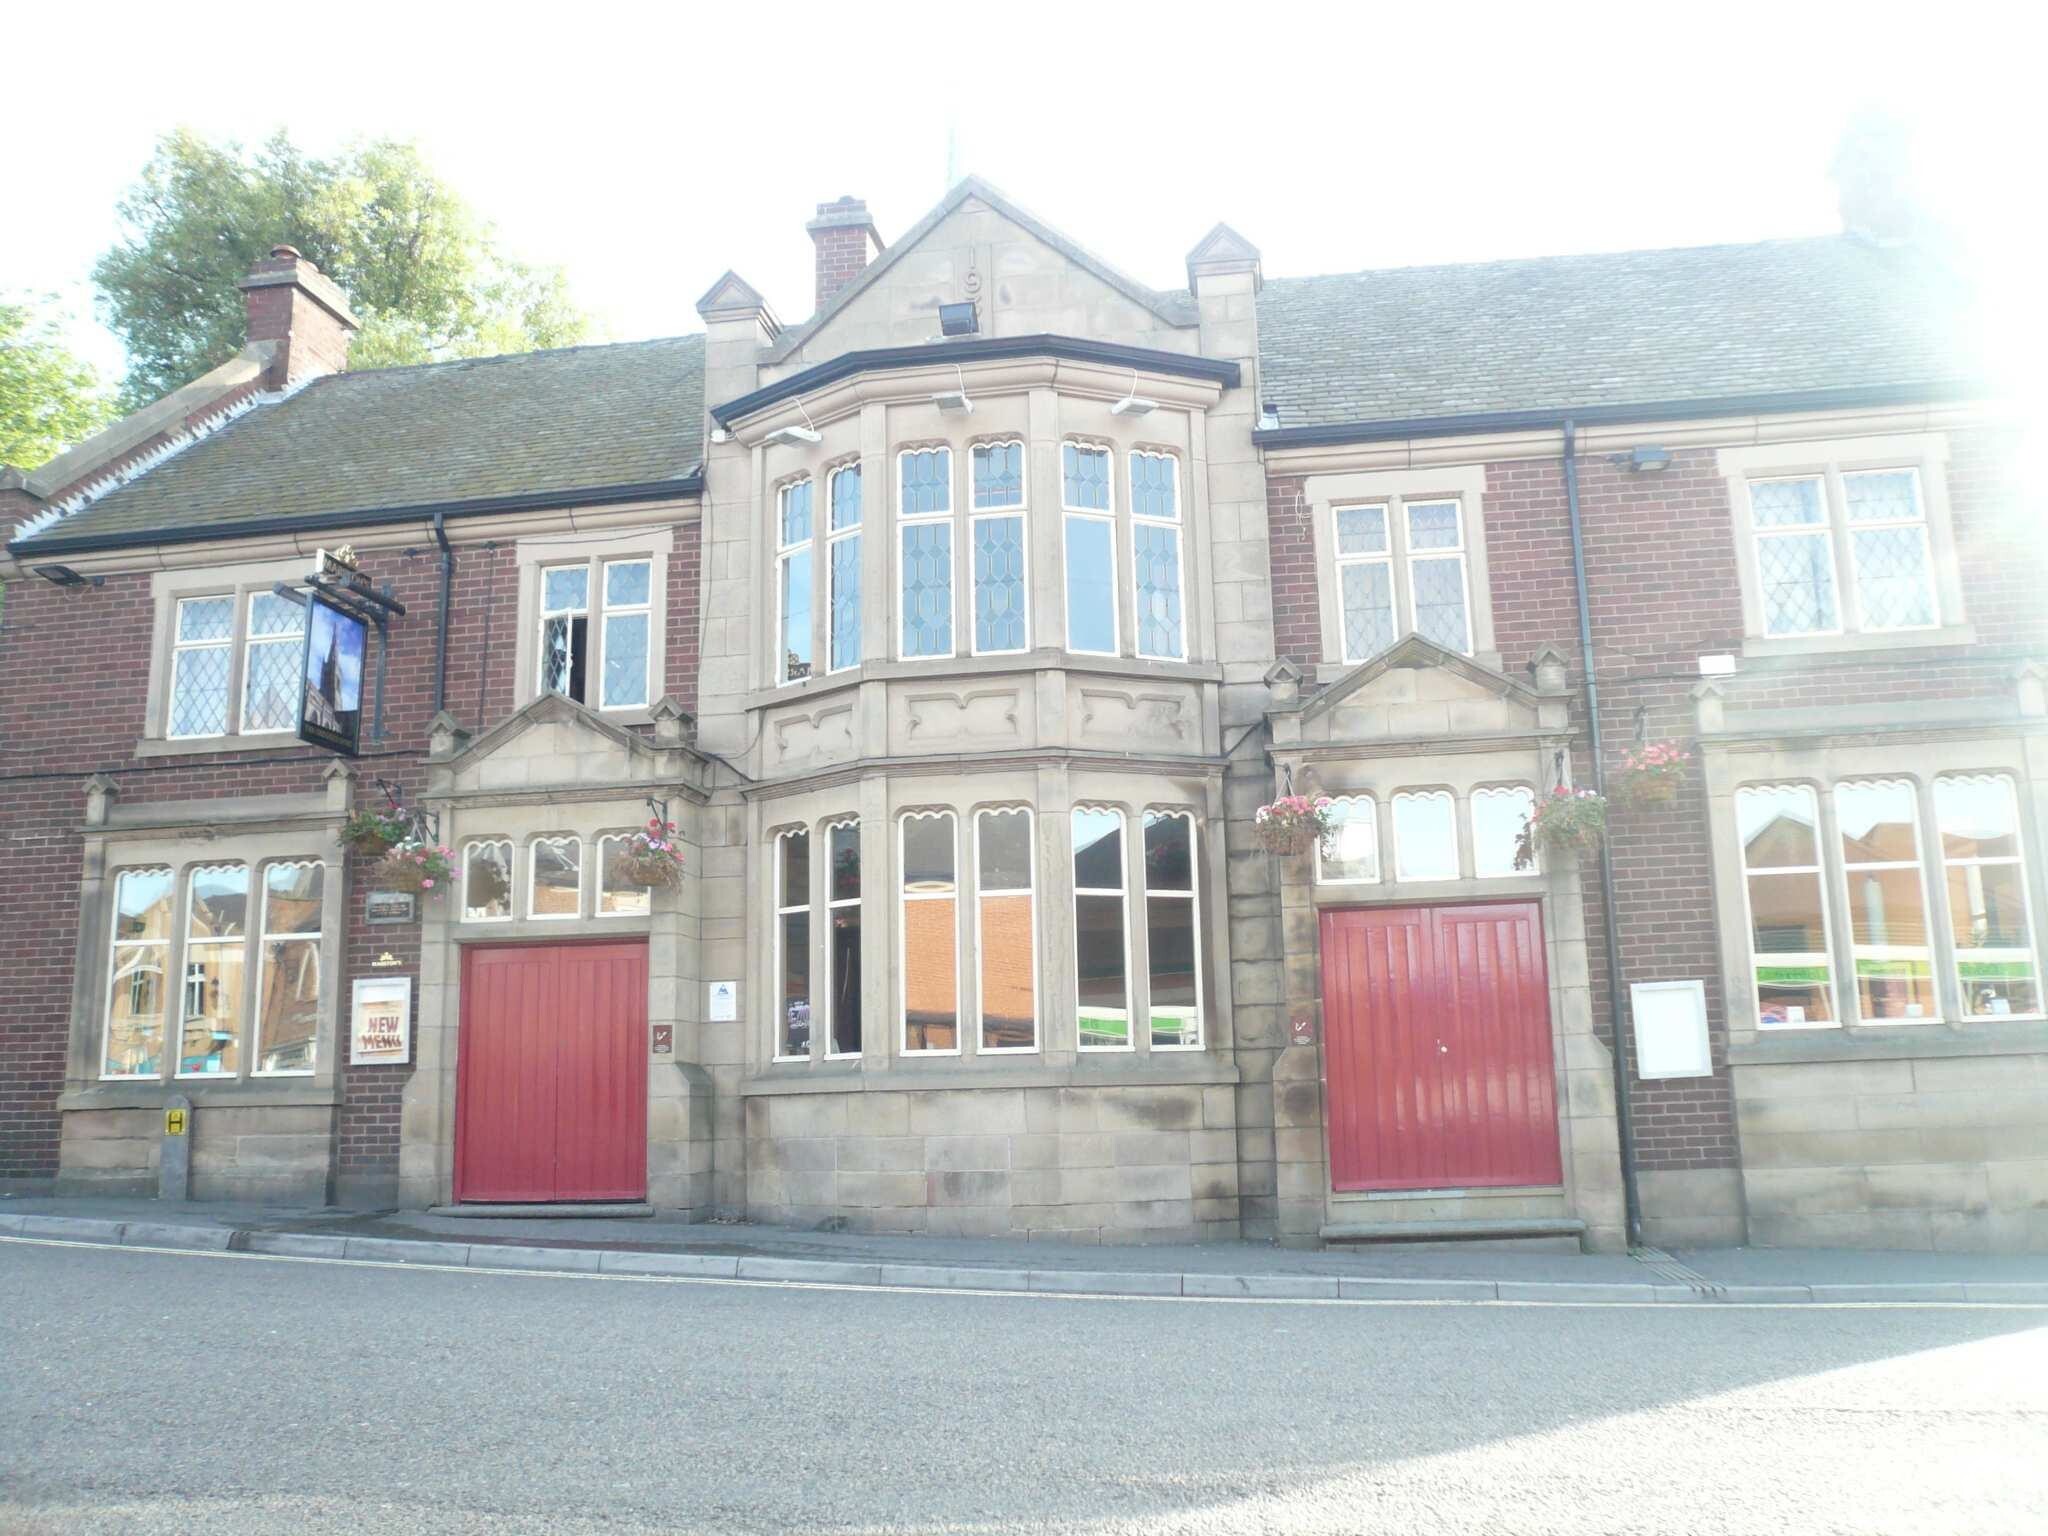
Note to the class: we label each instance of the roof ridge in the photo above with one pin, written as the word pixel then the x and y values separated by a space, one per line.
pixel 1561 256
pixel 510 357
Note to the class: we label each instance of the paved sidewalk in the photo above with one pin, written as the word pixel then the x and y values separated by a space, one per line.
pixel 748 1252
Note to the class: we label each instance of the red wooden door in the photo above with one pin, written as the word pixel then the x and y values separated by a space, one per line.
pixel 1437 1048
pixel 551 1073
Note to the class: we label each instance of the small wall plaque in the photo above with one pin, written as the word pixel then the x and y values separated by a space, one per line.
pixel 1301 1031
pixel 722 1001
pixel 664 1039
pixel 390 907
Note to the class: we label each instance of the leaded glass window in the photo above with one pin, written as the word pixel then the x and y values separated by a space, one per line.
pixel 628 618
pixel 1436 574
pixel 925 552
pixel 1795 555
pixel 1889 549
pixel 1365 581
pixel 998 475
pixel 1001 621
pixel 201 650
pixel 1156 555
pixel 842 551
pixel 565 630
pixel 270 663
pixel 1090 528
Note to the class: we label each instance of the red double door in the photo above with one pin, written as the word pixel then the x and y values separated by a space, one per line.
pixel 551 1073
pixel 1437 1048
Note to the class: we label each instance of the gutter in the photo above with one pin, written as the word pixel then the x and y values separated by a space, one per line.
pixel 441 628
pixel 1553 418
pixel 36 546
pixel 1624 1119
pixel 992 349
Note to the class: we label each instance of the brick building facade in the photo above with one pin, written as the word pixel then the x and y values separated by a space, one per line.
pixel 1007 632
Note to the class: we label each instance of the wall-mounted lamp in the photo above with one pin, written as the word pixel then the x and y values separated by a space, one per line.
pixel 959 319
pixel 792 434
pixel 954 402
pixel 1643 459
pixel 1134 404
pixel 64 576
pixel 1269 417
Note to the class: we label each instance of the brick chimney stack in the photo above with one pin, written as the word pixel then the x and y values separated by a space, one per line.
pixel 844 234
pixel 296 306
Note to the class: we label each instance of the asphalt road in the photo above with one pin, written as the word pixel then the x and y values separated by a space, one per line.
pixel 145 1392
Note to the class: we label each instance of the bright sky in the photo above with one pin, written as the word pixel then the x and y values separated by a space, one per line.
pixel 645 150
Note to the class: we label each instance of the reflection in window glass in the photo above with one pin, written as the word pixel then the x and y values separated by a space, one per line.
pixel 1100 942
pixel 555 866
pixel 1004 930
pixel 1350 854
pixel 1891 955
pixel 617 898
pixel 793 944
pixel 842 900
pixel 1171 925
pixel 486 881
pixel 1779 827
pixel 1498 817
pixel 1425 835
pixel 1997 968
pixel 288 987
pixel 931 958
pixel 216 951
pixel 793 582
pixel 199 667
pixel 135 991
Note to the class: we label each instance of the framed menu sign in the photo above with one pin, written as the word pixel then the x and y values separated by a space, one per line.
pixel 380 1021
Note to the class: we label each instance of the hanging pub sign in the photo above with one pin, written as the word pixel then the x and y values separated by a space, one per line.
pixel 331 677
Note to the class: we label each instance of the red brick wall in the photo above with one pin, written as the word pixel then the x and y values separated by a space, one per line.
pixel 1663 588
pixel 74 667
pixel 842 256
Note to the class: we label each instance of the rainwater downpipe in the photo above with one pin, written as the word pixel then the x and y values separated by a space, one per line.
pixel 441 635
pixel 1624 1120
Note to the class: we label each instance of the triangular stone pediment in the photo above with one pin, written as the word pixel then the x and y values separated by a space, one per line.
pixel 732 295
pixel 1220 251
pixel 1416 688
pixel 555 740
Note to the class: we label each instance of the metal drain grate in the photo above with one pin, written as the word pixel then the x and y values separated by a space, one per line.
pixel 1672 1271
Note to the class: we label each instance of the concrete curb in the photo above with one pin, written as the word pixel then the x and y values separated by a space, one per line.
pixel 1068 1282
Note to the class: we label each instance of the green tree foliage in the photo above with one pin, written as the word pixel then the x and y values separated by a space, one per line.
pixel 48 398
pixel 422 271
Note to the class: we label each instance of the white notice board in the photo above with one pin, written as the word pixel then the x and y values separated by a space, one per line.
pixel 1671 1029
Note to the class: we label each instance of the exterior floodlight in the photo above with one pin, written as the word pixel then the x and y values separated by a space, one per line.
pixel 958 319
pixel 1134 405
pixel 1644 459
pixel 783 435
pixel 60 575
pixel 954 402
pixel 1269 416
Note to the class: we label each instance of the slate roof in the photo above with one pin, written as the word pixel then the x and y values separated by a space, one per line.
pixel 582 417
pixel 1630 328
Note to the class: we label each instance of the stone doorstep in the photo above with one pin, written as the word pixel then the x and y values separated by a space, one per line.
pixel 1070 1282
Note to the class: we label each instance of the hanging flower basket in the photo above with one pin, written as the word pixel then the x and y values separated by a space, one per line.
pixel 1293 823
pixel 422 867
pixel 1568 824
pixel 1650 774
pixel 650 858
pixel 372 834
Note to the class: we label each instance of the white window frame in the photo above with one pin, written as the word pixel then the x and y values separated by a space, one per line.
pixel 172 964
pixel 225 644
pixel 1526 795
pixel 1384 557
pixel 511 877
pixel 1178 523
pixel 294 641
pixel 834 904
pixel 606 612
pixel 1460 552
pixel 533 912
pixel 1030 893
pixel 1369 818
pixel 978 514
pixel 604 886
pixel 1123 907
pixel 785 908
pixel 1107 517
pixel 264 939
pixel 904 897
pixel 189 948
pixel 1922 521
pixel 1853 993
pixel 2018 858
pixel 1394 803
pixel 906 519
pixel 1819 872
pixel 1193 894
pixel 834 537
pixel 1825 530
pixel 785 553
pixel 588 613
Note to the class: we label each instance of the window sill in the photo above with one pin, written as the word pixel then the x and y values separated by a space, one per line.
pixel 1889 1042
pixel 194 746
pixel 1125 1070
pixel 1758 647
pixel 241 1093
pixel 1043 660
